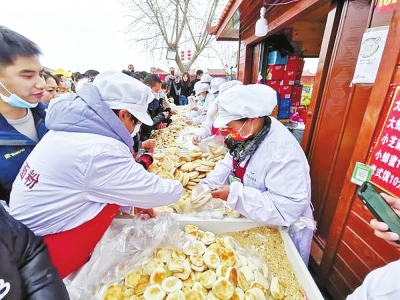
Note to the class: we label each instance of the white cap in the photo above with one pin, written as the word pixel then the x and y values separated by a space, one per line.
pixel 206 78
pixel 200 87
pixel 227 85
pixel 215 84
pixel 245 101
pixel 121 91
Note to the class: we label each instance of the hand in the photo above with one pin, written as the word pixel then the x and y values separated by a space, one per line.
pixel 166 114
pixel 144 213
pixel 381 228
pixel 221 192
pixel 195 108
pixel 161 126
pixel 174 111
pixel 149 145
pixel 196 140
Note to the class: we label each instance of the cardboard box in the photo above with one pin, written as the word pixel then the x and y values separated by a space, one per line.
pixel 275 84
pixel 275 72
pixel 275 58
pixel 289 77
pixel 296 94
pixel 293 62
pixel 285 91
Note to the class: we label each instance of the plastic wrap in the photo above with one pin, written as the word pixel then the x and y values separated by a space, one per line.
pixel 121 249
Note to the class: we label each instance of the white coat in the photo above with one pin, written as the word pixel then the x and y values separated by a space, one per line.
pixel 276 188
pixel 83 163
pixel 380 284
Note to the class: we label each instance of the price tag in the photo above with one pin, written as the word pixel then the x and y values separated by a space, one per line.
pixel 361 173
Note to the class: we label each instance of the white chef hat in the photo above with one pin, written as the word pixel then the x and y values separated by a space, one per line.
pixel 206 78
pixel 227 85
pixel 245 101
pixel 120 91
pixel 200 87
pixel 215 84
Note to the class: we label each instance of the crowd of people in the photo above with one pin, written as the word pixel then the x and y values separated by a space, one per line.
pixel 73 155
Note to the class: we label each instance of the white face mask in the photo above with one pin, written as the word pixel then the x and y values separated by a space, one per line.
pixel 136 130
pixel 16 101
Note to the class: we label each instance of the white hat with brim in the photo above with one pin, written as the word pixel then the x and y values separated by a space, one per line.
pixel 200 87
pixel 206 78
pixel 245 101
pixel 215 84
pixel 120 91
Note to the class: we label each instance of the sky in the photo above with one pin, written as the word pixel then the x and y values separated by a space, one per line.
pixel 78 35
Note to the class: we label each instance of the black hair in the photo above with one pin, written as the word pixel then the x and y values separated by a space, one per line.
pixel 12 45
pixel 199 72
pixel 164 85
pixel 91 74
pixel 152 79
pixel 133 118
pixel 48 75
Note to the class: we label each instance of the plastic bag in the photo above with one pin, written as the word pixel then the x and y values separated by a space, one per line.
pixel 123 248
pixel 205 205
pixel 211 143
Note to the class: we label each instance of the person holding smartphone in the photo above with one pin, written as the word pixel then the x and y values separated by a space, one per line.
pixel 382 283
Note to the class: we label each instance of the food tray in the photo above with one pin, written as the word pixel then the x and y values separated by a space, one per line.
pixel 239 224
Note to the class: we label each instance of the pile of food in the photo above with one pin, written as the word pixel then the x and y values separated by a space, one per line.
pixel 206 267
pixel 189 167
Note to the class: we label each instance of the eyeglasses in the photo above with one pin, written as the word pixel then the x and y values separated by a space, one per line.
pixel 134 119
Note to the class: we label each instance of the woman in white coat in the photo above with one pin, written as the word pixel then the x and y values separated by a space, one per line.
pixel 265 175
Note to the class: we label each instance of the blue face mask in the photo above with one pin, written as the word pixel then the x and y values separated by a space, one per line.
pixel 16 101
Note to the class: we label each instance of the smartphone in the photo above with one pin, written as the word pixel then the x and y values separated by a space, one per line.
pixel 379 207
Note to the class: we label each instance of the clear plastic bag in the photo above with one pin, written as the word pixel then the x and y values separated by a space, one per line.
pixel 122 249
pixel 205 205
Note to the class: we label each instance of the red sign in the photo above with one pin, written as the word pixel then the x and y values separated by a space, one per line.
pixel 384 6
pixel 385 156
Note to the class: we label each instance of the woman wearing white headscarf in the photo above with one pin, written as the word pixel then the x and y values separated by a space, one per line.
pixel 207 129
pixel 265 175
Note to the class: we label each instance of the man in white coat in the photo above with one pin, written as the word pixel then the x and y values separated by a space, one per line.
pixel 69 188
pixel 265 175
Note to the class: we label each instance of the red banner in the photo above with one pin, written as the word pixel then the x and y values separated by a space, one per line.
pixel 385 156
pixel 384 6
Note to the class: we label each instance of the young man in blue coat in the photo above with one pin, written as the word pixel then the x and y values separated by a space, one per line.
pixel 21 113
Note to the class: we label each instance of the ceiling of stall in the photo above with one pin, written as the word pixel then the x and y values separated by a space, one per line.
pixel 239 18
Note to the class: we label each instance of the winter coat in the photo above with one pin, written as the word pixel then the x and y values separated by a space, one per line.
pixel 276 189
pixel 15 148
pixel 25 268
pixel 83 163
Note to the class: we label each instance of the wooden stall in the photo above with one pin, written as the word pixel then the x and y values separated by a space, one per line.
pixel 342 119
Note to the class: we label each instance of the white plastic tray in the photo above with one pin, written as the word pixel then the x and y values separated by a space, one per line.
pixel 233 225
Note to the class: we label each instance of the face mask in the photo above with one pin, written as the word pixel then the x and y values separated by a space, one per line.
pixel 201 98
pixel 162 95
pixel 16 101
pixel 156 95
pixel 136 130
pixel 236 135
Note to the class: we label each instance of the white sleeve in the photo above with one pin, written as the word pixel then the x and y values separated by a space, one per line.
pixel 220 174
pixel 205 128
pixel 115 177
pixel 382 283
pixel 266 207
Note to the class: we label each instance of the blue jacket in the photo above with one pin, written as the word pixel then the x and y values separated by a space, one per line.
pixel 15 148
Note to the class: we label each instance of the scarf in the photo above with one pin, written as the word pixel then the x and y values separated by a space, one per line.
pixel 240 150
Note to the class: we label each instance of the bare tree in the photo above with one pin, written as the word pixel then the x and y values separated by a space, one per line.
pixel 156 25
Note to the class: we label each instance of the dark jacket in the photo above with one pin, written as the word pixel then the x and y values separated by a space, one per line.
pixel 25 268
pixel 186 89
pixel 15 148
pixel 155 110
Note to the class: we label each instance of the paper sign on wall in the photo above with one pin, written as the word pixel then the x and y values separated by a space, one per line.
pixel 370 55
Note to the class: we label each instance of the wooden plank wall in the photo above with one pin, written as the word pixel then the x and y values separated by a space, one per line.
pixel 353 250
